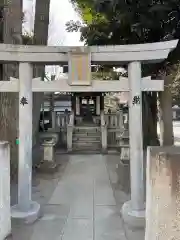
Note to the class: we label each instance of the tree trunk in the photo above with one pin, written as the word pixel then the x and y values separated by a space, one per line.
pixel 166 126
pixel 12 34
pixel 40 38
pixel 150 137
pixel 150 120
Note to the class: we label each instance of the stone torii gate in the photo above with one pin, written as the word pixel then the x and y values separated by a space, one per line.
pixel 134 209
pixel 79 80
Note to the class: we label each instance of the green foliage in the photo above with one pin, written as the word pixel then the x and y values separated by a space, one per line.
pixel 110 22
pixel 175 88
pixel 128 22
pixel 86 9
pixel 27 39
pixel 105 75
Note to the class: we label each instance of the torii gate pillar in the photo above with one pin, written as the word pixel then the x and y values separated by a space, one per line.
pixel 134 211
pixel 26 209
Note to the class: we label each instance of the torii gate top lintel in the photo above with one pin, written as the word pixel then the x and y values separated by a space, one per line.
pixel 79 60
pixel 118 54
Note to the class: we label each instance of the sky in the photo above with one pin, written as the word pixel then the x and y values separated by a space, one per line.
pixel 61 11
pixel 60 14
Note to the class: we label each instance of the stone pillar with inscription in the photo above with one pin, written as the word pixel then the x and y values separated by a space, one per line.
pixel 26 209
pixel 134 211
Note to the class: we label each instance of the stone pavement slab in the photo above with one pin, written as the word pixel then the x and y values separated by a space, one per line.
pixel 78 228
pixel 121 197
pixel 108 224
pixel 79 202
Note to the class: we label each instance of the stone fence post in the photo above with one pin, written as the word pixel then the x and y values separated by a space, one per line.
pixel 70 128
pixel 104 137
pixel 5 212
pixel 163 193
pixel 103 133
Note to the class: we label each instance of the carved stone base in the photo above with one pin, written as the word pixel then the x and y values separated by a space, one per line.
pixel 27 217
pixel 133 218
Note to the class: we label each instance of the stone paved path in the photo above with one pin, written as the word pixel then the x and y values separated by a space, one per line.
pixel 78 204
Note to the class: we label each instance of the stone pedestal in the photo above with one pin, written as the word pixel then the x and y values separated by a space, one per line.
pixel 5 212
pixel 49 150
pixel 48 164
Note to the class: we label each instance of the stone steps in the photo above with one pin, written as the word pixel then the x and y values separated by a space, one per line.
pixel 90 148
pixel 86 138
pixel 86 148
pixel 87 134
pixel 90 130
pixel 81 143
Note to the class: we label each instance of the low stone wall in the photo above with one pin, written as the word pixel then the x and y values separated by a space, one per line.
pixel 163 193
pixel 5 213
